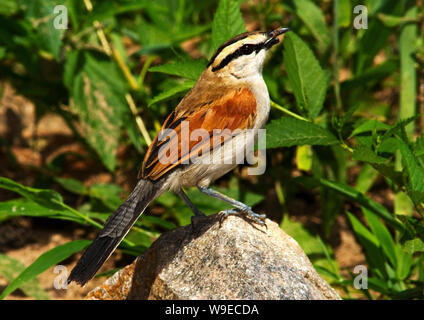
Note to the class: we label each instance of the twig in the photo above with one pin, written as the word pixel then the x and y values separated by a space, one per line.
pixel 294 115
pixel 138 119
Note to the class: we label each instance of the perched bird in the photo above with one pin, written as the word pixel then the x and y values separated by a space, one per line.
pixel 230 94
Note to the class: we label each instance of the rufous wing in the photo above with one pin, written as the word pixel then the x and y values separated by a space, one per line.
pixel 234 110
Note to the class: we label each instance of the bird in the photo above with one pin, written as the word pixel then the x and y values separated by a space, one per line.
pixel 230 97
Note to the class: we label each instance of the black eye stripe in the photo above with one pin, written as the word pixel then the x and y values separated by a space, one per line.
pixel 246 49
pixel 226 44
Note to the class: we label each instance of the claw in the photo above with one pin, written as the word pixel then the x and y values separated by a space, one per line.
pixel 259 218
pixel 225 213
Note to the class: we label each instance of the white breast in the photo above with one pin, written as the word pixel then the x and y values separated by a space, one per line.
pixel 204 174
pixel 258 87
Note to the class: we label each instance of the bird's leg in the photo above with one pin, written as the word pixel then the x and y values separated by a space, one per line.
pixel 240 207
pixel 197 212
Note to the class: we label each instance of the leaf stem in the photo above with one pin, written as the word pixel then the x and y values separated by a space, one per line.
pixel 138 119
pixel 125 70
pixel 294 115
pixel 143 72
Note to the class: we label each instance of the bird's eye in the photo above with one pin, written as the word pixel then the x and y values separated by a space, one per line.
pixel 247 48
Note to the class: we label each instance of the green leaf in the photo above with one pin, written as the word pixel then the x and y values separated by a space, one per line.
pixel 134 132
pixel 414 227
pixel 404 263
pixel 330 260
pixel 72 185
pixel 369 242
pixel 345 12
pixel 190 69
pixel 419 146
pixel 10 268
pixel 9 7
pixel 44 262
pixel 382 234
pixel 379 285
pixel 98 97
pixel 371 75
pixel 415 172
pixel 408 73
pixel 149 219
pixel 48 198
pixel 304 156
pixel 369 126
pixel 389 172
pixel 366 154
pixel 375 37
pixel 107 193
pixel 414 245
pixel 158 37
pixel 398 127
pixel 41 14
pixel 227 22
pixel 140 238
pixel 366 178
pixel 286 132
pixel 174 91
pixel 24 207
pixel 106 10
pixel 313 18
pixel 366 202
pixel 391 21
pixel 308 80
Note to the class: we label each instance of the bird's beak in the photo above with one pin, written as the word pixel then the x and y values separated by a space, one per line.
pixel 273 36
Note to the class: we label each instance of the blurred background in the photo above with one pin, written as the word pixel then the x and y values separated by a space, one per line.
pixel 85 86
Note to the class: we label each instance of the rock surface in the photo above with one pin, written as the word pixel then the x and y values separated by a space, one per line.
pixel 232 260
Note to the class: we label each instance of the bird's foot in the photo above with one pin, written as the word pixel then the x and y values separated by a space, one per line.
pixel 259 218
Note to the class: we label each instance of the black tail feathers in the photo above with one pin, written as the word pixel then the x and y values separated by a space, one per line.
pixel 115 229
pixel 92 259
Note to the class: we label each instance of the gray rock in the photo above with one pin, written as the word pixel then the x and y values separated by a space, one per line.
pixel 234 260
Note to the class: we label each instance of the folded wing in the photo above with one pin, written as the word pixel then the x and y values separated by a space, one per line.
pixel 172 146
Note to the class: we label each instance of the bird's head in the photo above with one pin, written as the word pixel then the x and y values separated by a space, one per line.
pixel 243 56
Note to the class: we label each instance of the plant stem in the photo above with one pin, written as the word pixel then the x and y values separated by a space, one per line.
pixel 294 115
pixel 143 72
pixel 138 119
pixel 125 70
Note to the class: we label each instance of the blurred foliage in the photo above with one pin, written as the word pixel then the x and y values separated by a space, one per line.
pixel 343 99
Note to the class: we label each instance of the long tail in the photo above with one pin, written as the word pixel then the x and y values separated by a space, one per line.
pixel 115 229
